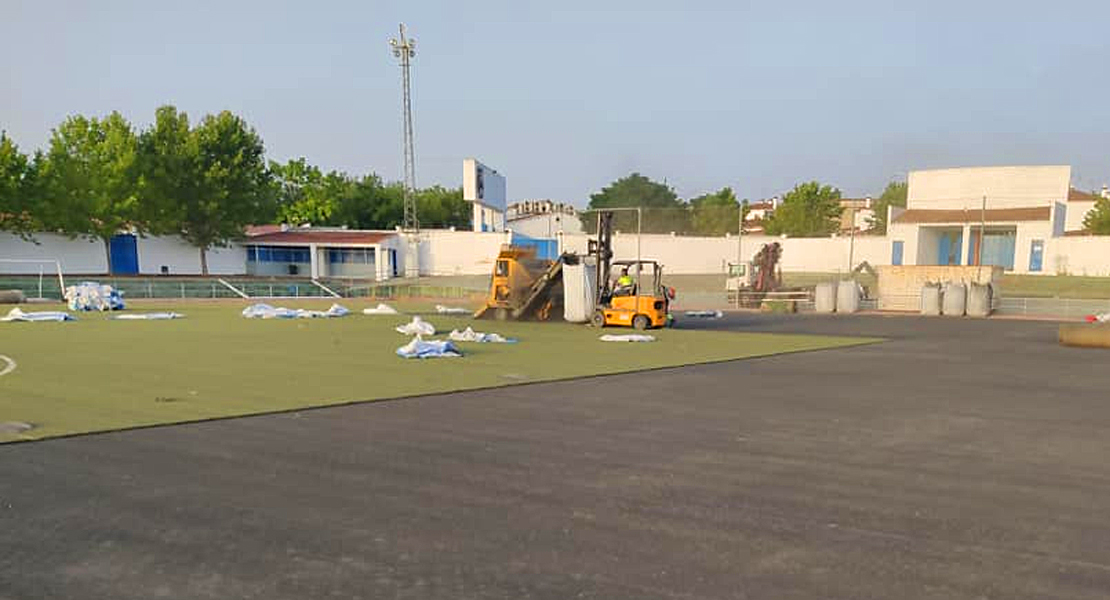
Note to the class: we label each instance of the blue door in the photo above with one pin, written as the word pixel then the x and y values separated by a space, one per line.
pixel 125 254
pixel 896 249
pixel 949 247
pixel 1036 256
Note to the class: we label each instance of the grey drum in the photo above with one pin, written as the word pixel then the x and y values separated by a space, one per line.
pixel 824 297
pixel 931 299
pixel 847 297
pixel 955 299
pixel 979 298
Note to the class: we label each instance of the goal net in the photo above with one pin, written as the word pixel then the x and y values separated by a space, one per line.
pixel 35 277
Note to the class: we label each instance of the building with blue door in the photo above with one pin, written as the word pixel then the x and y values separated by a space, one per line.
pixel 1000 216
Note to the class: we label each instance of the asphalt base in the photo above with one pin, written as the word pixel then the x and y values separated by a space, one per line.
pixel 959 459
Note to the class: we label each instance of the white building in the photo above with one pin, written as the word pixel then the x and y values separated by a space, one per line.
pixel 1005 215
pixel 542 218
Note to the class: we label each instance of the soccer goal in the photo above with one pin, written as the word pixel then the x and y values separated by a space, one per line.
pixel 46 268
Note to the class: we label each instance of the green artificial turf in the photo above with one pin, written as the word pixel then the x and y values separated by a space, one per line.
pixel 97 374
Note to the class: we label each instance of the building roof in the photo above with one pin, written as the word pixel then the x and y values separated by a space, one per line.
pixel 761 205
pixel 323 238
pixel 253 230
pixel 993 215
pixel 1075 195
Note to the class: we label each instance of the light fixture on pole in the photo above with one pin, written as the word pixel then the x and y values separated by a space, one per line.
pixel 404 48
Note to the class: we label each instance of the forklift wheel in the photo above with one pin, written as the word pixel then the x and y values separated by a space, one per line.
pixel 598 320
pixel 641 322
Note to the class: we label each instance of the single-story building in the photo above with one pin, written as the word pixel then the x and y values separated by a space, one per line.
pixel 318 253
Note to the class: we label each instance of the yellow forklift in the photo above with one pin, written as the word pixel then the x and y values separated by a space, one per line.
pixel 641 301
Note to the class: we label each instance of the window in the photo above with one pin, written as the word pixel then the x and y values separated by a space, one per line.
pixel 359 256
pixel 502 268
pixel 1036 256
pixel 278 254
pixel 896 249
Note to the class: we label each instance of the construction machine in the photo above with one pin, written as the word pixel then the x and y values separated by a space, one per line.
pixel 748 283
pixel 523 286
pixel 645 303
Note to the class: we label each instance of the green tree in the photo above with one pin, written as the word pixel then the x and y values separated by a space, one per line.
pixel 91 181
pixel 443 207
pixel 809 210
pixel 167 170
pixel 716 213
pixel 894 195
pixel 303 196
pixel 663 211
pixel 233 186
pixel 1097 220
pixel 19 194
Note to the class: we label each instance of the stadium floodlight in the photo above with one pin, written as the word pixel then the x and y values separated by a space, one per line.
pixel 405 49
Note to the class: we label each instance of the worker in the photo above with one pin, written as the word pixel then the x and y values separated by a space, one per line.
pixel 625 284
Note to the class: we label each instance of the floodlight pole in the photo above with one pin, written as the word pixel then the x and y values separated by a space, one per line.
pixel 404 48
pixel 852 240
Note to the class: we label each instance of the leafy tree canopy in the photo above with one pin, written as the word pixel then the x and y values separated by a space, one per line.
pixel 809 210
pixel 1097 220
pixel 894 195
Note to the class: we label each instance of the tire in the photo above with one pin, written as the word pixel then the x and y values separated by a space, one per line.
pixel 501 314
pixel 598 319
pixel 641 322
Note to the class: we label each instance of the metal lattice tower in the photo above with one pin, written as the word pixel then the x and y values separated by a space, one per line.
pixel 405 49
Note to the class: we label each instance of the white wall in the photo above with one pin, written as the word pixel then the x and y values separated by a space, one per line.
pixel 1004 187
pixel 457 252
pixel 83 256
pixel 184 259
pixel 686 254
pixel 76 255
pixel 1077 255
pixel 1077 211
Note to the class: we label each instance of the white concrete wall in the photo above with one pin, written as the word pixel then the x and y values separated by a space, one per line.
pixel 1077 211
pixel 1077 255
pixel 84 256
pixel 1004 187
pixel 684 254
pixel 184 259
pixel 76 255
pixel 457 252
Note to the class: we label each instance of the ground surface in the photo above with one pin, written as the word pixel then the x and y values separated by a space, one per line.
pixel 97 374
pixel 960 459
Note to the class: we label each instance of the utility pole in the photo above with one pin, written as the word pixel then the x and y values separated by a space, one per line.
pixel 852 240
pixel 404 48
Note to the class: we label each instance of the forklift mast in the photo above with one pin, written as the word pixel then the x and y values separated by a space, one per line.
pixel 602 249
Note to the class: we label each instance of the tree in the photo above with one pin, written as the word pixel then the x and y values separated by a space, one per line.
pixel 233 186
pixel 91 179
pixel 809 210
pixel 443 207
pixel 663 211
pixel 303 197
pixel 18 189
pixel 1097 220
pixel 894 195
pixel 716 213
pixel 167 170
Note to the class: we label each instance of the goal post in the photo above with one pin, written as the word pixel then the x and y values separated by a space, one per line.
pixel 47 267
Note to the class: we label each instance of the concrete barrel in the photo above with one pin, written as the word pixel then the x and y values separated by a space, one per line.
pixel 931 299
pixel 847 297
pixel 979 298
pixel 824 297
pixel 955 299
pixel 12 297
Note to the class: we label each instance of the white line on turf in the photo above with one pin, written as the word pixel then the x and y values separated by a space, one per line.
pixel 9 368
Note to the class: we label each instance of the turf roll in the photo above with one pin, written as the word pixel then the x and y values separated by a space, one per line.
pixel 1085 335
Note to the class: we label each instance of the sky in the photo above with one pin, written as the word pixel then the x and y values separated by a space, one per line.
pixel 564 97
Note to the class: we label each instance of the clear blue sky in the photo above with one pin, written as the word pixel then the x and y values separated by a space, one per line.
pixel 563 97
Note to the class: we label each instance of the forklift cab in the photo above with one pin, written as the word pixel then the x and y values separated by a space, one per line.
pixel 645 305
